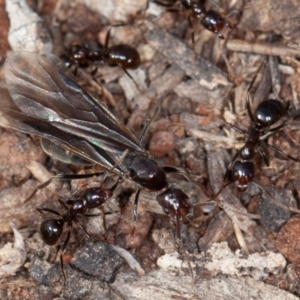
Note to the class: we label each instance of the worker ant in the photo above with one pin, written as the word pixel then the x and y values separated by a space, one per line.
pixel 78 128
pixel 51 229
pixel 209 19
pixel 265 116
pixel 121 55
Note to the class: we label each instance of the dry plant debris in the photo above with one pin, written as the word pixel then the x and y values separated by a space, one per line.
pixel 243 245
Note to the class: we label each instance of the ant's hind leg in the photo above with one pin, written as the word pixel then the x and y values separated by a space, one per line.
pixel 275 149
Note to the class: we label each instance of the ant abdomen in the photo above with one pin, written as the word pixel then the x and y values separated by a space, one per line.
pixel 214 22
pixel 175 203
pixel 124 56
pixel 243 174
pixel 268 112
pixel 51 230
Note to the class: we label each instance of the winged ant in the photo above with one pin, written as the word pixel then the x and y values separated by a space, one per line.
pixel 41 98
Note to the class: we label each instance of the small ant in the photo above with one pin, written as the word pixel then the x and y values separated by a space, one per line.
pixel 210 20
pixel 121 55
pixel 266 114
pixel 51 229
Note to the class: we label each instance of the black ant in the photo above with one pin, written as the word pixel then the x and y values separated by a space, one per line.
pixel 266 114
pixel 210 20
pixel 121 55
pixel 79 127
pixel 51 229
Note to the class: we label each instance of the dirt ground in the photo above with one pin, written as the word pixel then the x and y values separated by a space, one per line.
pixel 244 245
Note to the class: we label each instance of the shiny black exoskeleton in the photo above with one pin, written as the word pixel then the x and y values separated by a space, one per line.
pixel 121 55
pixel 267 114
pixel 152 177
pixel 51 229
pixel 74 123
pixel 210 20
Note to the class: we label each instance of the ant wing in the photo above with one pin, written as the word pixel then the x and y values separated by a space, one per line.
pixel 43 95
pixel 12 117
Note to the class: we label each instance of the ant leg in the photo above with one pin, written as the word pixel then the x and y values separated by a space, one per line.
pixel 69 199
pixel 92 215
pixel 249 108
pixel 187 177
pixel 149 120
pixel 76 70
pixel 216 4
pixel 62 251
pixel 237 128
pixel 136 85
pixel 263 155
pixel 63 204
pixel 83 230
pixel 220 190
pixel 193 31
pixel 161 3
pixel 42 209
pixel 231 74
pixel 61 177
pixel 285 207
pixel 107 38
pixel 275 149
pixel 178 235
pixel 229 167
pixel 275 129
pixel 136 199
pixel 94 72
pixel 272 130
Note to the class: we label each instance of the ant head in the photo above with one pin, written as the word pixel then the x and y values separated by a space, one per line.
pixel 214 22
pixel 268 112
pixel 51 230
pixel 175 203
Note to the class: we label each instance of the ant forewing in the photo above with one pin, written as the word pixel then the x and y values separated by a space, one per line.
pixel 41 98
